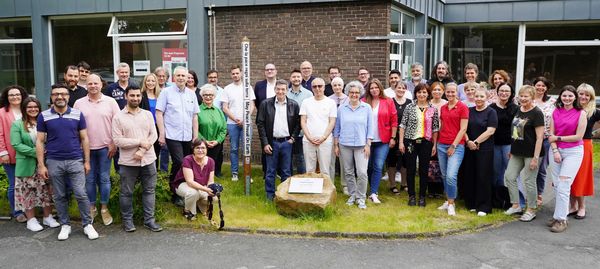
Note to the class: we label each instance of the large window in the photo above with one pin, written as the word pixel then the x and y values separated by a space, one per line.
pixel 151 52
pixel 565 54
pixel 90 45
pixel 16 55
pixel 489 47
pixel 402 51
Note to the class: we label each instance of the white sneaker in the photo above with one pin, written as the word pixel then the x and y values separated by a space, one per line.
pixel 385 177
pixel 50 222
pixel 451 210
pixel 513 210
pixel 444 206
pixel 345 191
pixel 481 214
pixel 90 232
pixel 374 198
pixel 351 201
pixel 234 177
pixel 398 177
pixel 34 225
pixel 65 231
pixel 362 204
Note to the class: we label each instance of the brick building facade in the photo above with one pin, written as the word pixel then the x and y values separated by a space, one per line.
pixel 286 35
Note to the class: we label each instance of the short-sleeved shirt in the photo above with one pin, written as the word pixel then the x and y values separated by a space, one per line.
pixel 299 96
pixel 233 95
pixel 76 94
pixel 523 132
pixel 100 113
pixel 201 174
pixel 450 119
pixel 479 121
pixel 400 109
pixel 115 91
pixel 317 114
pixel 62 133
pixel 503 135
pixel 180 108
pixel 590 124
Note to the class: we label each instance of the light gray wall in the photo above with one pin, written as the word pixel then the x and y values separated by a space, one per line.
pixel 516 11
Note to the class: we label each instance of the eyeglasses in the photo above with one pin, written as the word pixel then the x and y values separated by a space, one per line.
pixel 270 69
pixel 200 148
pixel 317 86
pixel 56 94
pixel 84 71
pixel 14 95
pixel 358 93
pixel 208 95
pixel 363 74
pixel 212 77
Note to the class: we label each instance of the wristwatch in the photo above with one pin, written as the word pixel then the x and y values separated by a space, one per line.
pixel 476 143
pixel 558 138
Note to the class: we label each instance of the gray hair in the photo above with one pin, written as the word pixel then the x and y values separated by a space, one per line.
pixel 337 79
pixel 281 82
pixel 416 65
pixel 159 69
pixel 208 87
pixel 123 65
pixel 185 70
pixel 354 84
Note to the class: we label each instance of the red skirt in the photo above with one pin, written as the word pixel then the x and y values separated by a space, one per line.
pixel 583 185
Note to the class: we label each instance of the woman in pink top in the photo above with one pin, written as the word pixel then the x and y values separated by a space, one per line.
pixel 566 141
pixel 10 110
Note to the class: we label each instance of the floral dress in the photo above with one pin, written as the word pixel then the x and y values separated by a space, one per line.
pixel 33 191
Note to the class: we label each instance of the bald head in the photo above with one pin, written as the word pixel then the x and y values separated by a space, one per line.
pixel 270 71
pixel 94 84
pixel 307 69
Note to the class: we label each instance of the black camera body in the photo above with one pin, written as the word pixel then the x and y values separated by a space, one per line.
pixel 216 188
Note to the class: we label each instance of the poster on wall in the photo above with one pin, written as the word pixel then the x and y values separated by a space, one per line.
pixel 173 57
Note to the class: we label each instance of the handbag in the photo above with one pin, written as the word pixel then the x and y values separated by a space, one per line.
pixel 434 174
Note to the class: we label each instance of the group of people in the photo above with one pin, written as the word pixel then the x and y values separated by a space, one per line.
pixel 483 142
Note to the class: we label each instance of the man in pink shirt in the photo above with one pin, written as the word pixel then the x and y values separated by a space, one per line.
pixel 98 110
pixel 134 133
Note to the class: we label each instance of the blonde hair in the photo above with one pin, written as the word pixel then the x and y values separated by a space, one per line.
pixel 591 106
pixel 529 89
pixel 157 88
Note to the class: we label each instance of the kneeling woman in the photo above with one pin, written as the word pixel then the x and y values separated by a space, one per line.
pixel 191 182
pixel 30 190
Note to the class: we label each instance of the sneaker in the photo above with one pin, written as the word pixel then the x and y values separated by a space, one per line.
pixel 481 214
pixel 107 219
pixel 90 232
pixel 351 201
pixel 21 218
pixel 527 217
pixel 374 198
pixel 551 222
pixel 444 206
pixel 93 212
pixel 412 201
pixel 152 226
pixel 559 226
pixel 345 191
pixel 512 211
pixel 472 210
pixel 422 202
pixel 385 177
pixel 129 227
pixel 398 177
pixel 451 210
pixel 362 204
pixel 65 231
pixel 50 221
pixel 34 225
pixel 234 177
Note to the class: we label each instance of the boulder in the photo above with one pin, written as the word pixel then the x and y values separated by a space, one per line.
pixel 297 204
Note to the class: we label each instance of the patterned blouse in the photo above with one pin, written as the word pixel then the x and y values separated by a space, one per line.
pixel 418 124
pixel 547 107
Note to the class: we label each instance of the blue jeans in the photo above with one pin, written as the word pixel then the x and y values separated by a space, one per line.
pixel 280 159
pixel 541 177
pixel 298 157
pixel 61 172
pixel 236 133
pixel 377 159
pixel 164 158
pixel 99 176
pixel 500 163
pixel 449 166
pixel 10 173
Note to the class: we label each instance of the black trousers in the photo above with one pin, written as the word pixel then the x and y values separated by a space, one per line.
pixel 479 171
pixel 216 153
pixel 417 149
pixel 177 150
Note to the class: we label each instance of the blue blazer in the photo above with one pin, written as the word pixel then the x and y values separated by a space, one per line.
pixel 260 91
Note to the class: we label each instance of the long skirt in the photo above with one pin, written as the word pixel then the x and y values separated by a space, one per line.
pixel 31 192
pixel 584 181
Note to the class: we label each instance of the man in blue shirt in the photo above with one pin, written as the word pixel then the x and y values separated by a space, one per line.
pixel 298 94
pixel 63 154
pixel 177 120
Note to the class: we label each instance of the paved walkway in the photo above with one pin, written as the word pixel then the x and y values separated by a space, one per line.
pixel 514 245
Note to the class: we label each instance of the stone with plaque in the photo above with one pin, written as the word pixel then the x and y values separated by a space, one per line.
pixel 302 194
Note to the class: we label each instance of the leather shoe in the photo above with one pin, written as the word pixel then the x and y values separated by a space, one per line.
pixel 152 226
pixel 422 201
pixel 412 201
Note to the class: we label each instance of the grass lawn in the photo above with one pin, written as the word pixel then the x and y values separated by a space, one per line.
pixel 255 213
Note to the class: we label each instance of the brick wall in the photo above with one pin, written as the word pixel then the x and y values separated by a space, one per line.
pixel 286 35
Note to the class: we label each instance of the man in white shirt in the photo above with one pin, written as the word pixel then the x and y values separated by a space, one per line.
pixel 317 118
pixel 393 78
pixel 233 107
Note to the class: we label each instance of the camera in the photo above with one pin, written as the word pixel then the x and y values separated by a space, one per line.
pixel 216 188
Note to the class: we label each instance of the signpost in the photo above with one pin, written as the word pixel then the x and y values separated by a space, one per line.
pixel 247 115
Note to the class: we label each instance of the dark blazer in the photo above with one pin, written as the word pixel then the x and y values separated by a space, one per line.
pixel 145 103
pixel 266 117
pixel 260 92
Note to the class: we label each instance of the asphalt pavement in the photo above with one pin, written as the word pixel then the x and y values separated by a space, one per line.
pixel 512 245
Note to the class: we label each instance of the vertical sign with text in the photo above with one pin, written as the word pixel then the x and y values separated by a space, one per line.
pixel 247 116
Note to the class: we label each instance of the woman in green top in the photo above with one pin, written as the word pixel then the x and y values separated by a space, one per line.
pixel 212 126
pixel 30 189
